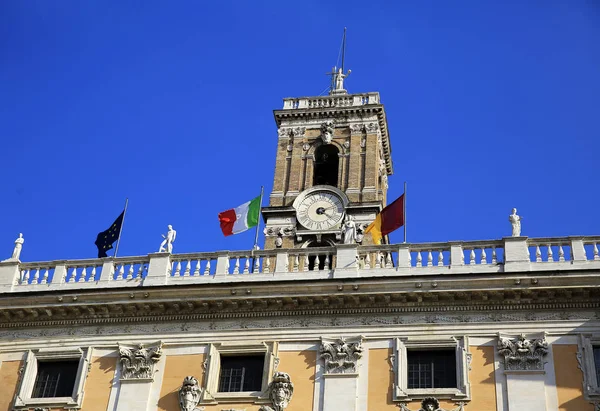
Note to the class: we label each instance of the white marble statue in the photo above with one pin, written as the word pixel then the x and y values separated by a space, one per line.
pixel 17 250
pixel 349 231
pixel 515 221
pixel 169 238
pixel 339 79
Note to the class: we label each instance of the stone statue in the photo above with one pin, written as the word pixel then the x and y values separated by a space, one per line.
pixel 280 392
pixel 360 235
pixel 189 394
pixel 169 238
pixel 515 221
pixel 327 131
pixel 18 246
pixel 349 231
pixel 339 79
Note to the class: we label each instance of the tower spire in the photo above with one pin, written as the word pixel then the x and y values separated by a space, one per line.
pixel 337 74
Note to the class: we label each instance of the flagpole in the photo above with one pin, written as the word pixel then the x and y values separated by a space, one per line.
pixel 404 211
pixel 121 229
pixel 255 247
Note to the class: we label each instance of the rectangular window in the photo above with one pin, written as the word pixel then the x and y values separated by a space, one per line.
pixel 597 362
pixel 55 379
pixel 241 373
pixel 431 369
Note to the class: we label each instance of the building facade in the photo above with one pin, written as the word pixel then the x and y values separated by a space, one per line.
pixel 322 319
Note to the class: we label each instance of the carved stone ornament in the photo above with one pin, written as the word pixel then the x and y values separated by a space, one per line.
pixel 284 132
pixel 298 131
pixel 189 394
pixel 138 363
pixel 357 128
pixel 431 404
pixel 371 127
pixel 305 146
pixel 522 354
pixel 341 356
pixel 327 131
pixel 283 231
pixel 363 142
pixel 280 392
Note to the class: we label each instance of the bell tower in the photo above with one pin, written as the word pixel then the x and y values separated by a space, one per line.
pixel 332 164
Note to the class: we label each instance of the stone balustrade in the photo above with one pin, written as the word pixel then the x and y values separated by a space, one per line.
pixel 509 255
pixel 350 100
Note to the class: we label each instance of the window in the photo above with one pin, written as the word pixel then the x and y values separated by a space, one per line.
pixel 55 379
pixel 431 369
pixel 589 362
pixel 326 165
pixel 597 362
pixel 426 367
pixel 241 373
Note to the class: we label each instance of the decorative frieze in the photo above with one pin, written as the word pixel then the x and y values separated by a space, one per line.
pixel 280 392
pixel 341 356
pixel 291 132
pixel 189 394
pixel 523 354
pixel 138 363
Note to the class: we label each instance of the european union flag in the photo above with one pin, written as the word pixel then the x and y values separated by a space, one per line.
pixel 106 238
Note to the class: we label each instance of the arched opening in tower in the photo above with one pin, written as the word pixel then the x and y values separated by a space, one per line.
pixel 326 165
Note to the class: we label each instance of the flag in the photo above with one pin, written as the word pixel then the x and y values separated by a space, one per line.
pixel 239 219
pixel 105 239
pixel 388 220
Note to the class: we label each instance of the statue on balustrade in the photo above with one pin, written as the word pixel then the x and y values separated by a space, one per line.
pixel 169 238
pixel 349 231
pixel 515 221
pixel 17 250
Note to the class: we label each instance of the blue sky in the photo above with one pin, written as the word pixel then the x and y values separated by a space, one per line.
pixel 491 105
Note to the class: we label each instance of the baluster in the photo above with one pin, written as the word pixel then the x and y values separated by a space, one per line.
pixel 378 260
pixel 368 261
pixel 326 265
pixel 306 263
pixel 483 256
pixel 419 259
pixel 130 272
pixel 440 261
pixel 121 272
pixel 82 276
pixel 596 255
pixel 36 276
pixel 295 264
pixel 550 253
pixel 93 274
pixel 25 277
pixel 178 269
pixel 256 264
pixel 45 276
pixel 69 279
pixel 247 265
pixel 236 267
pixel 197 269
pixel 429 259
pixel 388 261
pixel 140 271
pixel 494 260
pixel 188 268
pixel 267 265
pixel 472 256
pixel 207 267
pixel 538 254
pixel 561 253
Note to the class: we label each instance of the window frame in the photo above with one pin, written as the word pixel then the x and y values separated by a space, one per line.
pixel 401 392
pixel 585 357
pixel 24 398
pixel 211 393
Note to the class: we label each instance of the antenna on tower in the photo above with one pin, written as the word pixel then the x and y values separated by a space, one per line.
pixel 337 75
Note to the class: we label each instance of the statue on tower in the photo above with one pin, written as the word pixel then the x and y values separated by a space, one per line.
pixel 169 238
pixel 338 77
pixel 515 221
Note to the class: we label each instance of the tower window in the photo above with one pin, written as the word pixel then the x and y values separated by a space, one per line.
pixel 326 165
pixel 55 379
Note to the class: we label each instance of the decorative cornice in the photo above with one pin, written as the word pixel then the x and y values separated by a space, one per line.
pixel 138 363
pixel 522 354
pixel 341 355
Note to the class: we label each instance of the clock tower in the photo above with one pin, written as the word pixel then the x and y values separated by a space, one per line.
pixel 331 169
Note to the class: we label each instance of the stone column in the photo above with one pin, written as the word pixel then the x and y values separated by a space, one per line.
pixel 340 378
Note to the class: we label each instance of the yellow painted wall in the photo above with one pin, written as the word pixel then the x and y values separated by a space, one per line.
pixel 483 379
pixel 177 367
pixel 301 366
pixel 9 374
pixel 380 380
pixel 99 383
pixel 569 379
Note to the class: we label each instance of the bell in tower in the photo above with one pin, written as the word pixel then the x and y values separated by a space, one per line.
pixel 331 168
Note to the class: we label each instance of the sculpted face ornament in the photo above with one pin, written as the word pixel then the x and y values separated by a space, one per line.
pixel 430 404
pixel 280 392
pixel 327 132
pixel 189 394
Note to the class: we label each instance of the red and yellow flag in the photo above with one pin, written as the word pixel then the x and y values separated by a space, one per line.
pixel 388 220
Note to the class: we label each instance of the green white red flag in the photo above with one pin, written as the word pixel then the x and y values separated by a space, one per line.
pixel 241 218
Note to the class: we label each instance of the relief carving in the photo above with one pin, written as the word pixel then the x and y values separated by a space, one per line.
pixel 138 363
pixel 327 131
pixel 189 394
pixel 280 392
pixel 431 404
pixel 522 354
pixel 357 128
pixel 341 356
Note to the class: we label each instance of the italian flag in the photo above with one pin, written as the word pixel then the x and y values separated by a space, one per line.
pixel 239 219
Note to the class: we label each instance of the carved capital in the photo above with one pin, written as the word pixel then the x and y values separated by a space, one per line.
pixel 522 354
pixel 284 132
pixel 280 392
pixel 189 394
pixel 341 356
pixel 357 128
pixel 298 131
pixel 371 127
pixel 138 363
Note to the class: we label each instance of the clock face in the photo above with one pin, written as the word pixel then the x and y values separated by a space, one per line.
pixel 320 210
